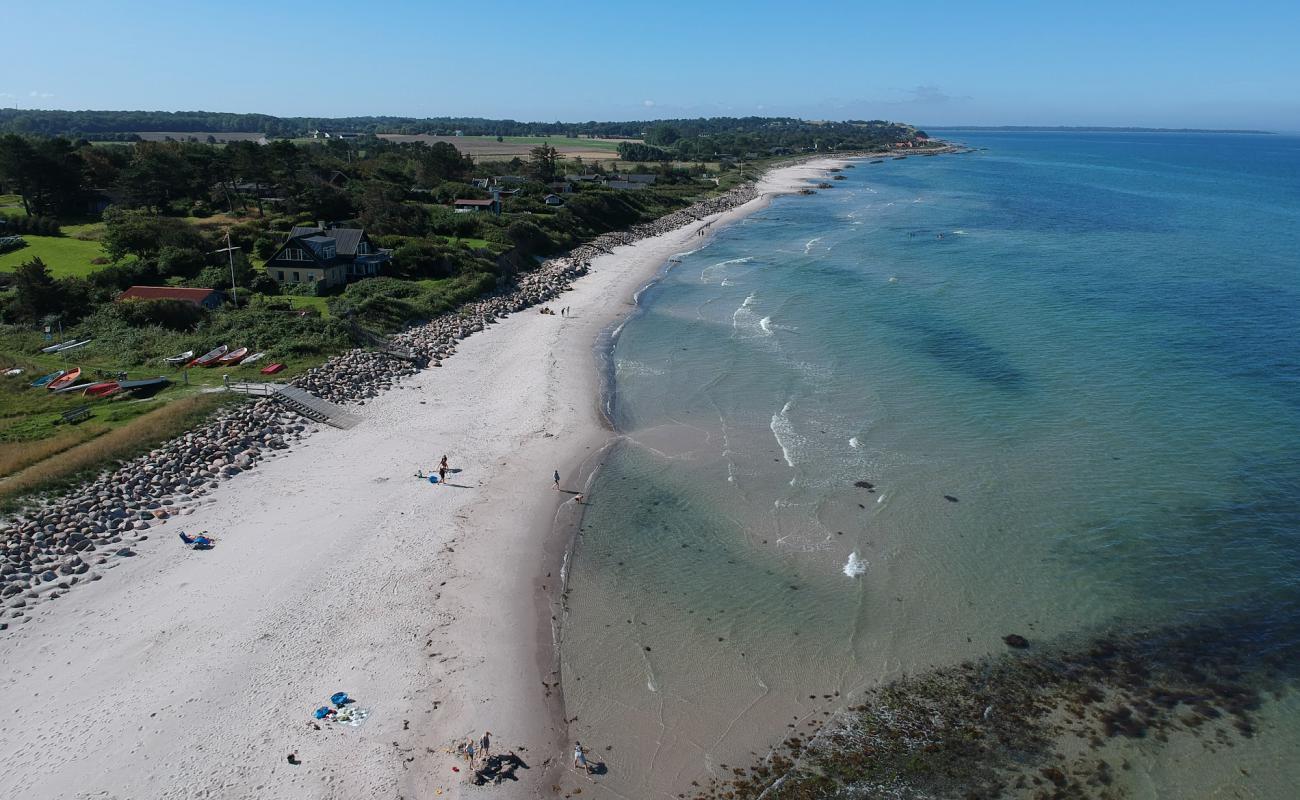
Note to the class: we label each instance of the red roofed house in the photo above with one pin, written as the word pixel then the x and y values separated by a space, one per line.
pixel 210 299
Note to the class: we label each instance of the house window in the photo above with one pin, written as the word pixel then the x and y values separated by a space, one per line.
pixel 363 249
pixel 281 274
pixel 295 277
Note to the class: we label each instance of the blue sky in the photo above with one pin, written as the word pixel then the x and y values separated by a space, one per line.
pixel 1186 64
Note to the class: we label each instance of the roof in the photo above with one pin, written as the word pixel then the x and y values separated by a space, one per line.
pixel 458 201
pixel 345 239
pixel 167 293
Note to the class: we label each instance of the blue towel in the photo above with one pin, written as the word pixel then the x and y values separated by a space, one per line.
pixel 339 698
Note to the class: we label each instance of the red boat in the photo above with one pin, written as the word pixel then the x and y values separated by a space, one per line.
pixel 233 356
pixel 271 369
pixel 209 357
pixel 67 379
pixel 102 389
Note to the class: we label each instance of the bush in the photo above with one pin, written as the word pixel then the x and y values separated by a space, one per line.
pixel 176 315
pixel 264 247
pixel 264 284
pixel 528 238
pixel 36 226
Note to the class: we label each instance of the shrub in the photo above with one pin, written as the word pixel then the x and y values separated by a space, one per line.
pixel 176 315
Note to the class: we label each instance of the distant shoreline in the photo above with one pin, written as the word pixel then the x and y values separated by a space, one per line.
pixel 1090 129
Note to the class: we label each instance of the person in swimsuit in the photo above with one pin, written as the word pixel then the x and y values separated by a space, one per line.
pixel 580 758
pixel 442 470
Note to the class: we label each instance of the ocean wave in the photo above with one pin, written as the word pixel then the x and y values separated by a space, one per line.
pixel 789 440
pixel 855 566
pixel 638 368
pixel 766 324
pixel 807 248
pixel 709 273
pixel 855 443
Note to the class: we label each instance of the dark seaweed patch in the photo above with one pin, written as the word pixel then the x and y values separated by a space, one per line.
pixel 996 727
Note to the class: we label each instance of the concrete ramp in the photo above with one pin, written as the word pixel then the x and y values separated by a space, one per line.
pixel 313 407
pixel 301 401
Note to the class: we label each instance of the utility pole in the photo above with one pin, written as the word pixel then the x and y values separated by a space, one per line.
pixel 230 250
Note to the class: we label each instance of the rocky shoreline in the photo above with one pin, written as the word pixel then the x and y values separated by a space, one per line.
pixel 58 544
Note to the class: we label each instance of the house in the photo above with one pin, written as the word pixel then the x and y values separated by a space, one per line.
pixel 210 299
pixel 553 200
pixel 332 255
pixel 509 180
pixel 481 183
pixel 462 205
pixel 587 178
pixel 560 187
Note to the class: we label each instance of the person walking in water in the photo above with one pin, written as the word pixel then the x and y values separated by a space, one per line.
pixel 442 470
pixel 557 479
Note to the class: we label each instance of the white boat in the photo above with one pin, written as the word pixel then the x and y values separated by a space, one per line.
pixel 55 347
pixel 180 359
pixel 251 359
pixel 63 348
pixel 14 371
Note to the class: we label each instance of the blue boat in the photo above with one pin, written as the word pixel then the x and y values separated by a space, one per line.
pixel 48 379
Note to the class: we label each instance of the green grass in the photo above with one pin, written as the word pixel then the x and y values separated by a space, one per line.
pixel 11 205
pixel 594 144
pixel 318 303
pixel 64 255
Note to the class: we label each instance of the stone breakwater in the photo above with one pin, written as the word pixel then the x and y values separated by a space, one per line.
pixel 61 543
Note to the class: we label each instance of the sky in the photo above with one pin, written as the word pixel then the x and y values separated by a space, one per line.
pixel 933 63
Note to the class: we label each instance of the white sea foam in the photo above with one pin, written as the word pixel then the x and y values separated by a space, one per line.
pixel 807 248
pixel 718 271
pixel 855 566
pixel 766 324
pixel 786 437
pixel 855 443
pixel 630 368
pixel 880 499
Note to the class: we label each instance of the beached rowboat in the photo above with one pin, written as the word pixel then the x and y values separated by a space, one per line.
pixel 46 380
pixel 66 379
pixel 271 369
pixel 210 356
pixel 180 359
pixel 143 383
pixel 251 359
pixel 54 348
pixel 102 389
pixel 233 356
pixel 75 387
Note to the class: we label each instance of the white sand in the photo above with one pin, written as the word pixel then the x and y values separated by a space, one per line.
pixel 194 674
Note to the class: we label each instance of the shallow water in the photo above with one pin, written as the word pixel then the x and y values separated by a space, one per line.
pixel 1069 368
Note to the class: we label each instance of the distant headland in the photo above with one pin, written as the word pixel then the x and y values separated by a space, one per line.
pixel 1092 129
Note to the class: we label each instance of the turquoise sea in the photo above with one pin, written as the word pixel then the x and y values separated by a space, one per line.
pixel 1064 373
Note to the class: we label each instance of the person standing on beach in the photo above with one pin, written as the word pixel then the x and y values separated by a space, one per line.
pixel 557 479
pixel 442 470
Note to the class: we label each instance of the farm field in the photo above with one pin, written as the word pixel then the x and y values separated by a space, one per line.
pixel 202 136
pixel 487 147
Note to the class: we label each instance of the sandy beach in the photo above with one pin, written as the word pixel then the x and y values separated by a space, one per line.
pixel 194 674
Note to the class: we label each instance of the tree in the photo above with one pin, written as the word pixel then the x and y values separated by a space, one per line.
pixel 133 232
pixel 157 174
pixel 528 237
pixel 442 162
pixel 662 135
pixel 543 162
pixel 35 292
pixel 47 173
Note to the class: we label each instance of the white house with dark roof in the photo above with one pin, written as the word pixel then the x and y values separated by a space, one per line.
pixel 332 255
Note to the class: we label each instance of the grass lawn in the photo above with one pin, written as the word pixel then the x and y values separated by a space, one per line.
pixel 11 205
pixel 318 303
pixel 64 255
pixel 594 144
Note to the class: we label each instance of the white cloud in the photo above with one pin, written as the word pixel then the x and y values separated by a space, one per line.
pixel 648 103
pixel 42 95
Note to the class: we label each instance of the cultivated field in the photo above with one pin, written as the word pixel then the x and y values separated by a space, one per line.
pixel 488 148
pixel 202 136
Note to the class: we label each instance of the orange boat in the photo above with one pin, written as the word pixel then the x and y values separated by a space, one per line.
pixel 68 378
pixel 231 357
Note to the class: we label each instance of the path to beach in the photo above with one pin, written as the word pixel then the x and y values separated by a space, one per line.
pixel 194 674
